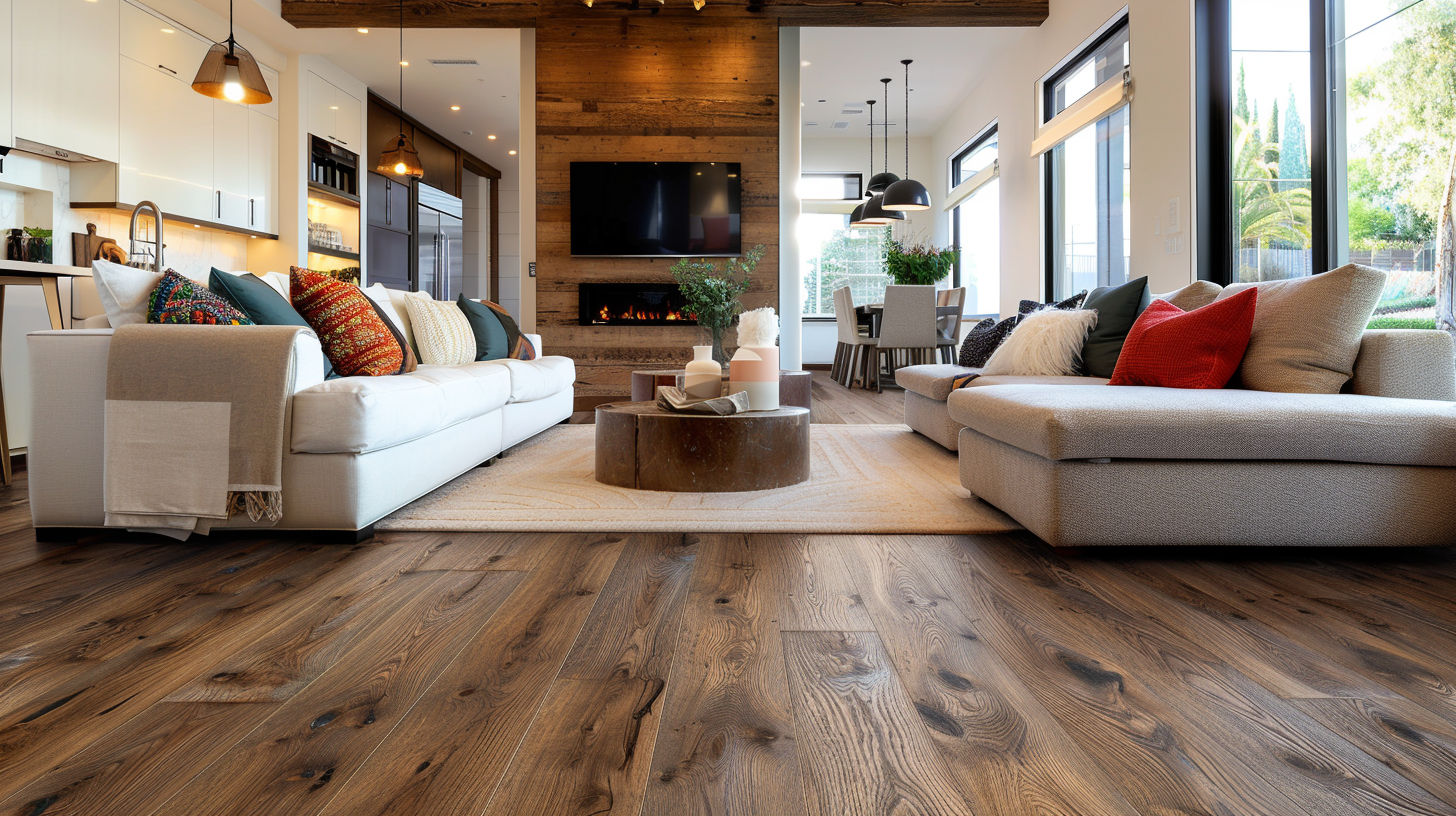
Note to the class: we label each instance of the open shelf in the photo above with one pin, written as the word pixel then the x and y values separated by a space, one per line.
pixel 331 194
pixel 315 249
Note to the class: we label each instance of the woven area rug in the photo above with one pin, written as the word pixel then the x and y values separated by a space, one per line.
pixel 863 479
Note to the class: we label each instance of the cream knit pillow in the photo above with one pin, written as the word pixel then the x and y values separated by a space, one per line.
pixel 441 331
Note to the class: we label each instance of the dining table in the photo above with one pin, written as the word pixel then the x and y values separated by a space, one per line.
pixel 870 315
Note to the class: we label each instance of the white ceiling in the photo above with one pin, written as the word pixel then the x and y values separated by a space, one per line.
pixel 846 64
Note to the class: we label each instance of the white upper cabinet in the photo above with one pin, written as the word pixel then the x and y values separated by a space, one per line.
pixel 333 114
pixel 262 172
pixel 230 128
pixel 160 44
pixel 7 132
pixel 166 144
pixel 64 79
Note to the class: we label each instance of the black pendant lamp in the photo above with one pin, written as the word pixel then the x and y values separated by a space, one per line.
pixel 401 158
pixel 906 194
pixel 229 72
pixel 879 182
pixel 856 219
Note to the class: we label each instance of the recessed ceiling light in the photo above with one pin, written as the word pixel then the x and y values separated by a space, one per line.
pixel 491 137
pixel 333 107
pixel 169 31
pixel 454 107
pixel 404 63
pixel 513 152
pixel 805 63
pixel 363 31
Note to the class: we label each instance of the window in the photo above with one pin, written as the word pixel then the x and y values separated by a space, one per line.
pixel 1352 164
pixel 1087 174
pixel 976 224
pixel 836 255
pixel 816 186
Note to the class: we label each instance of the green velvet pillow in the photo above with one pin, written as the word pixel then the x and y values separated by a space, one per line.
pixel 260 302
pixel 1117 308
pixel 491 341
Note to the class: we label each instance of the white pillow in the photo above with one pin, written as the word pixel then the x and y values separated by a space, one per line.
pixel 380 296
pixel 123 291
pixel 441 329
pixel 1046 343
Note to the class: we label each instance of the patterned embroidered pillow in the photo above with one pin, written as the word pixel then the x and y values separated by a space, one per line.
pixel 179 299
pixel 441 330
pixel 351 331
pixel 983 340
pixel 520 345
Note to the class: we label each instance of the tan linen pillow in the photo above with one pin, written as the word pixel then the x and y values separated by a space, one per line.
pixel 1195 295
pixel 1307 330
pixel 441 330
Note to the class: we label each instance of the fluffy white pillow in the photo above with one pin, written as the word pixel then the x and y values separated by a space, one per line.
pixel 123 291
pixel 1046 343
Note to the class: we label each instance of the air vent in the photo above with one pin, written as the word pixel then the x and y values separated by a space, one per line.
pixel 811 124
pixel 449 62
pixel 841 125
pixel 849 111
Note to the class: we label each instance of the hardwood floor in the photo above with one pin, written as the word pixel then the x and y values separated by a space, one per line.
pixel 675 674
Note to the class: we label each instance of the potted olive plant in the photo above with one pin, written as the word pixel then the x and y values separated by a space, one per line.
pixel 712 296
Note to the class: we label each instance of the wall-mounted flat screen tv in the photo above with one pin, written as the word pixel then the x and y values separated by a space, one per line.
pixel 656 209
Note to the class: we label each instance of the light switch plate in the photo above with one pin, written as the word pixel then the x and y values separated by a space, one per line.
pixel 531 269
pixel 1175 206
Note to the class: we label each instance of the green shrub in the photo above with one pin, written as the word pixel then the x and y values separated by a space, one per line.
pixel 1402 323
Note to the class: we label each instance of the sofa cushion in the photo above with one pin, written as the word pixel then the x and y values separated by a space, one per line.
pixel 1117 308
pixel 1195 295
pixel 1172 348
pixel 1307 330
pixel 361 414
pixel 934 381
pixel 1138 422
pixel 536 379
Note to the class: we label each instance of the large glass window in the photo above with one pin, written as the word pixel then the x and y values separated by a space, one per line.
pixel 836 255
pixel 1088 176
pixel 976 227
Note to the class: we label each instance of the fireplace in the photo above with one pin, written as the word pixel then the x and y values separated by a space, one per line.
pixel 631 304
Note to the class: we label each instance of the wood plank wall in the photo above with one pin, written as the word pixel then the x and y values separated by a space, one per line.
pixel 672 86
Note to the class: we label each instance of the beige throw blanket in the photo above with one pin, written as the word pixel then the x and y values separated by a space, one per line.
pixel 195 425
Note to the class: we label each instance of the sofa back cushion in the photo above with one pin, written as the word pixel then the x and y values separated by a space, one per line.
pixel 1195 295
pixel 1307 330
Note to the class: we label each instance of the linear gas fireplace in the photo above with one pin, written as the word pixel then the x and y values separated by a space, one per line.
pixel 631 304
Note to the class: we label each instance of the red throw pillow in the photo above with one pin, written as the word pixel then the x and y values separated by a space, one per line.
pixel 352 333
pixel 1172 348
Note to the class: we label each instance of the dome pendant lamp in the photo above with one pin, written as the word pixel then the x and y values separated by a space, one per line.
pixel 230 73
pixel 879 182
pixel 906 194
pixel 401 158
pixel 856 219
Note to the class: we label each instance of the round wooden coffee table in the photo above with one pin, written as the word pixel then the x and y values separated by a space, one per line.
pixel 644 447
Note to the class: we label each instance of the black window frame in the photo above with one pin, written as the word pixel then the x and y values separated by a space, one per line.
pixel 986 134
pixel 1110 30
pixel 1213 164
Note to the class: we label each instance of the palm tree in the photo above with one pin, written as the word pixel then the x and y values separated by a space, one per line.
pixel 1265 213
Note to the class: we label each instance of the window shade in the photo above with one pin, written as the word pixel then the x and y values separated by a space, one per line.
pixel 1112 95
pixel 967 188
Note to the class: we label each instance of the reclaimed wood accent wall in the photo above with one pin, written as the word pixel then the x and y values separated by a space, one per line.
pixel 673 86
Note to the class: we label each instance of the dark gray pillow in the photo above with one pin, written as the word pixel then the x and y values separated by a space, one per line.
pixel 983 339
pixel 1117 308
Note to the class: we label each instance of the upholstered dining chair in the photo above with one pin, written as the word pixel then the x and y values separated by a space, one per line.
pixel 948 327
pixel 907 329
pixel 851 342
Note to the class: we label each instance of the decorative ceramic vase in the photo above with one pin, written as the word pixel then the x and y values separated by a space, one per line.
pixel 704 378
pixel 755 369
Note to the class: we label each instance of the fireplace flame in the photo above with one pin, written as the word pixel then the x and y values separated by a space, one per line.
pixel 606 315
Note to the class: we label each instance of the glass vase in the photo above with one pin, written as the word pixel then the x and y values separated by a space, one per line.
pixel 715 339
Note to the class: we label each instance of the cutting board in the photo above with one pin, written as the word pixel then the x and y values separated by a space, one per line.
pixel 90 246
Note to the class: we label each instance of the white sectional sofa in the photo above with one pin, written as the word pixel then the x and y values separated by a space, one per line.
pixel 357 448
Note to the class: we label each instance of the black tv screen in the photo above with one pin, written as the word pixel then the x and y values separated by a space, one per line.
pixel 647 209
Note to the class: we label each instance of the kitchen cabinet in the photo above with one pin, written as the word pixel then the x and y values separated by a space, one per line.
pixel 231 129
pixel 389 203
pixel 65 89
pixel 160 44
pixel 333 114
pixel 167 144
pixel 262 172
pixel 7 131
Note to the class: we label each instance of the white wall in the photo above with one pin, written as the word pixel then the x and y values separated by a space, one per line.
pixel 525 187
pixel 1162 156
pixel 475 252
pixel 511 270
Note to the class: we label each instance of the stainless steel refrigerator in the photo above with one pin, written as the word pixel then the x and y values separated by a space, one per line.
pixel 440 270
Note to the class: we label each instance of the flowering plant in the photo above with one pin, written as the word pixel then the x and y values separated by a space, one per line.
pixel 919 264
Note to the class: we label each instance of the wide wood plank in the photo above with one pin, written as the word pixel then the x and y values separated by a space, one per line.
pixel 813 584
pixel 1403 735
pixel 1006 753
pixel 866 749
pixel 451 753
pixel 726 743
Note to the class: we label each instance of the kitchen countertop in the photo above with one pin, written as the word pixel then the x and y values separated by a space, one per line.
pixel 44 270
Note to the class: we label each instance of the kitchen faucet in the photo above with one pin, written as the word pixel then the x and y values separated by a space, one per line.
pixel 132 235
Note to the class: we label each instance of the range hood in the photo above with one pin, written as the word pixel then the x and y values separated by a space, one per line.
pixel 49 152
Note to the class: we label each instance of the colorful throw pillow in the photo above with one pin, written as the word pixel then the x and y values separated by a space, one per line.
pixel 353 334
pixel 1117 308
pixel 490 335
pixel 441 330
pixel 1307 330
pixel 520 346
pixel 1046 343
pixel 179 299
pixel 1171 348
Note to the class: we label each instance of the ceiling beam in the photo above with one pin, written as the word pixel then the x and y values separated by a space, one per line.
pixel 525 13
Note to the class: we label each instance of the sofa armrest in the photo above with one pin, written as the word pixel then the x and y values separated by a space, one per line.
pixel 1406 363
pixel 536 342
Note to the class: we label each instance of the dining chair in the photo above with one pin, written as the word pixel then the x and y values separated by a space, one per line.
pixel 907 329
pixel 848 352
pixel 948 327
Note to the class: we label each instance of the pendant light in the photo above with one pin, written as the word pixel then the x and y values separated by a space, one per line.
pixel 230 73
pixel 856 219
pixel 907 194
pixel 401 158
pixel 879 182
